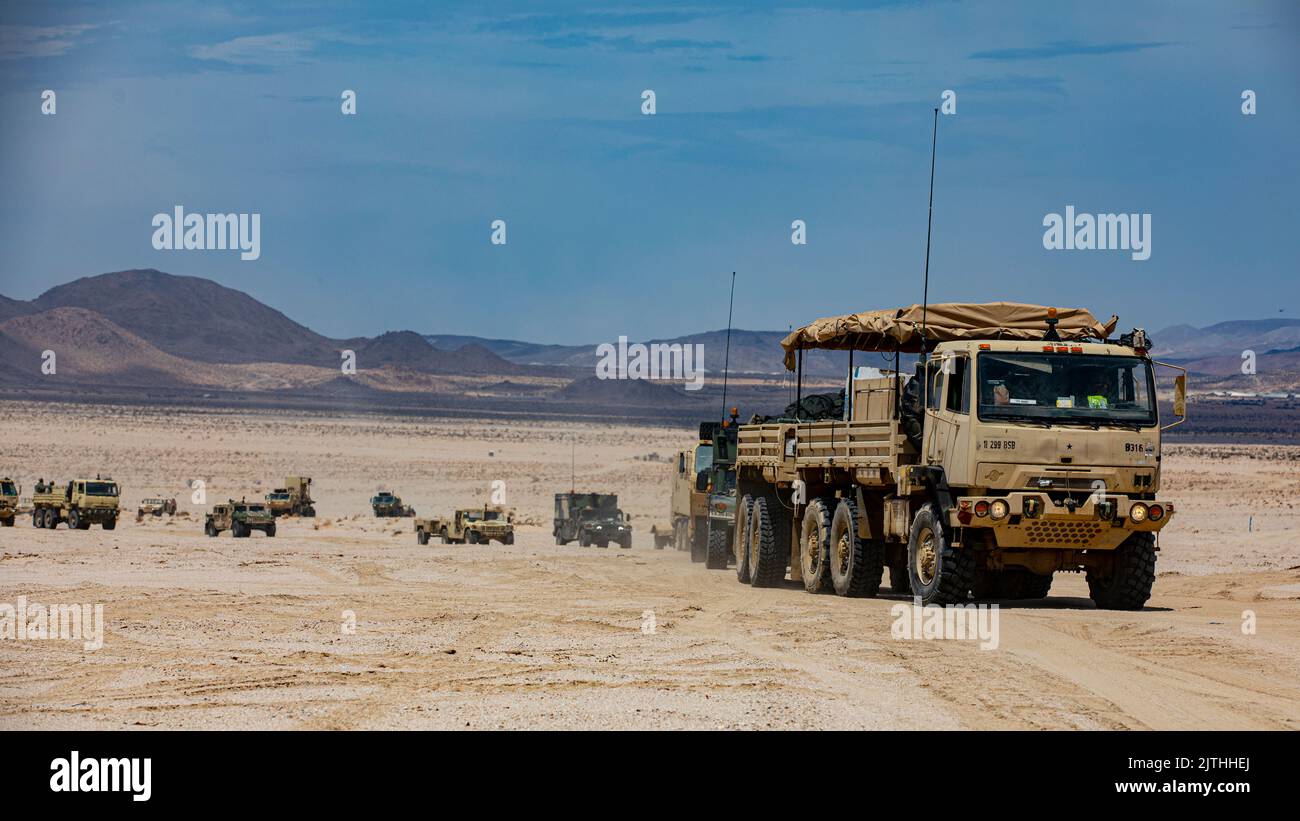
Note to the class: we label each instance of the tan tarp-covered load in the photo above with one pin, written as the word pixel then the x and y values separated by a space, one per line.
pixel 900 328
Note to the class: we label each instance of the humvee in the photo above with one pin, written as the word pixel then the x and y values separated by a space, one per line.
pixel 156 507
pixel 80 503
pixel 1027 443
pixel 591 518
pixel 240 518
pixel 9 492
pixel 690 499
pixel 294 499
pixel 385 503
pixel 472 525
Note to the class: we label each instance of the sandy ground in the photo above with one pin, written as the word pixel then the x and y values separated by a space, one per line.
pixel 254 633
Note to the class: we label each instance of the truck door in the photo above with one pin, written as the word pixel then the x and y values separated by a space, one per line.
pixel 933 430
pixel 948 412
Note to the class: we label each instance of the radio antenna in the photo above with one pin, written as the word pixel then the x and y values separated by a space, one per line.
pixel 929 224
pixel 726 362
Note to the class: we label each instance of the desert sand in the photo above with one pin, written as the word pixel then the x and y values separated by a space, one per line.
pixel 255 633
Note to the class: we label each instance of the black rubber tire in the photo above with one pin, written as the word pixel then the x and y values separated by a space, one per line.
pixel 208 531
pixel 625 542
pixel 769 550
pixel 856 564
pixel 38 518
pixel 74 520
pixel 421 537
pixel 509 539
pixel 560 541
pixel 719 548
pixel 700 540
pixel 109 524
pixel 953 572
pixel 815 545
pixel 8 522
pixel 583 539
pixel 270 531
pixel 51 519
pixel 1128 585
pixel 740 538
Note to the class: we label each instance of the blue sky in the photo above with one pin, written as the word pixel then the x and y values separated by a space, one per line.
pixel 619 223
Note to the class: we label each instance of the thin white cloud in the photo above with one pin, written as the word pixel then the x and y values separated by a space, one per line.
pixel 24 42
pixel 259 50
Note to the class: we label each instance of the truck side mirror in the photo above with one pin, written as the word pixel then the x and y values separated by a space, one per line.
pixel 1180 395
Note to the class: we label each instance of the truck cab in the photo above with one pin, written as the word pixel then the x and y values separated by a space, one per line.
pixel 9 492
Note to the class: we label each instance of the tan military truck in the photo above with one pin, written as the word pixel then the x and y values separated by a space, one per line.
pixel 9 491
pixel 1027 444
pixel 240 518
pixel 80 503
pixel 155 507
pixel 690 499
pixel 294 499
pixel 472 525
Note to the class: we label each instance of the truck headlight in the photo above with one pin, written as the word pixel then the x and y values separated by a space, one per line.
pixel 1138 512
pixel 999 509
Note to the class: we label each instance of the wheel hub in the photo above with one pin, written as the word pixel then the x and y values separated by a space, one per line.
pixel 926 557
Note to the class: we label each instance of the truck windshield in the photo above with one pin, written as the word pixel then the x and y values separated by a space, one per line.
pixel 1066 388
pixel 101 489
pixel 8 489
pixel 703 458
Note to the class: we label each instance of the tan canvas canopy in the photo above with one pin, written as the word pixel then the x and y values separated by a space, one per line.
pixel 900 328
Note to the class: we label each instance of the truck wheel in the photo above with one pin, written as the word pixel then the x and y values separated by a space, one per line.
pixel 51 518
pixel 856 564
pixel 815 545
pixel 719 548
pixel 270 531
pixel 109 524
pixel 209 530
pixel 769 548
pixel 700 540
pixel 583 540
pixel 559 540
pixel 626 543
pixel 421 538
pixel 940 573
pixel 1128 584
pixel 38 518
pixel 509 539
pixel 74 520
pixel 740 537
pixel 10 521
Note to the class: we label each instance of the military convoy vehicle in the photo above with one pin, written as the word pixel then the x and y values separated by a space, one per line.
pixel 156 507
pixel 721 489
pixel 591 518
pixel 294 499
pixel 690 499
pixel 8 501
pixel 469 525
pixel 387 504
pixel 1027 444
pixel 663 535
pixel 240 518
pixel 80 503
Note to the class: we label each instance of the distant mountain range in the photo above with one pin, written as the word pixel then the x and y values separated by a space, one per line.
pixel 149 329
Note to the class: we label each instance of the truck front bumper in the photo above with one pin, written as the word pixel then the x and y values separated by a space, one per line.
pixel 1033 520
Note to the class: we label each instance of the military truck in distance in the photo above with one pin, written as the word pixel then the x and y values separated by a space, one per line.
pixel 240 518
pixel 387 504
pixel 80 503
pixel 8 501
pixel 1027 444
pixel 721 489
pixel 156 507
pixel 294 499
pixel 469 525
pixel 662 535
pixel 591 518
pixel 690 498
